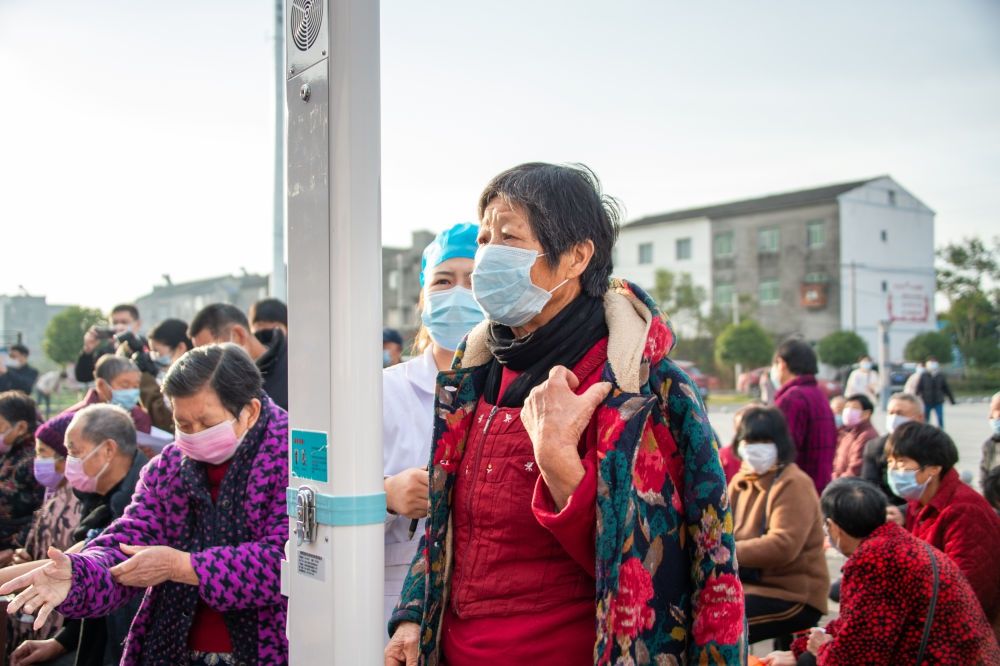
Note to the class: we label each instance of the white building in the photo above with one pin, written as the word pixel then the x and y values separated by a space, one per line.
pixel 814 261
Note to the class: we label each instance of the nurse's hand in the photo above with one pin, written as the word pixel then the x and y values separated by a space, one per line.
pixel 404 645
pixel 556 418
pixel 406 493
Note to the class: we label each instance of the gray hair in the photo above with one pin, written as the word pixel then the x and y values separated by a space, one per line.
pixel 910 398
pixel 110 366
pixel 101 422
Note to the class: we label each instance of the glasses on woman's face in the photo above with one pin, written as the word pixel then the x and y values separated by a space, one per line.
pixel 903 465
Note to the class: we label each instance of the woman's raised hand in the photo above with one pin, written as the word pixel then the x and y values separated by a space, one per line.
pixel 47 587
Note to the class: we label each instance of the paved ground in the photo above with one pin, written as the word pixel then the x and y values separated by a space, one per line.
pixel 965 422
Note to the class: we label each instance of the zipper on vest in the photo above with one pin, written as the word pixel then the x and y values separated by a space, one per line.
pixel 478 460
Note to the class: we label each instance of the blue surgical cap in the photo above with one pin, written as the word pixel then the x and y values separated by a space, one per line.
pixel 458 241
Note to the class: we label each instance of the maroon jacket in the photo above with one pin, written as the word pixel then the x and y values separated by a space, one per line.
pixel 811 425
pixel 850 455
pixel 884 598
pixel 961 523
pixel 141 419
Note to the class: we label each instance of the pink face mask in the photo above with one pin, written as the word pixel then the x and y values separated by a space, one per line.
pixel 852 416
pixel 78 478
pixel 213 445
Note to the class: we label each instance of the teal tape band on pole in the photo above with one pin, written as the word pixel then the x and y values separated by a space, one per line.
pixel 342 509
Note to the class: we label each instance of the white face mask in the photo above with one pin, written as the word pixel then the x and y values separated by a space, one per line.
pixel 760 456
pixel 893 421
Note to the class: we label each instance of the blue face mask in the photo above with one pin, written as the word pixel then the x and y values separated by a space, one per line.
pixel 995 424
pixel 162 361
pixel 125 398
pixel 386 359
pixel 501 284
pixel 449 315
pixel 903 482
pixel 838 419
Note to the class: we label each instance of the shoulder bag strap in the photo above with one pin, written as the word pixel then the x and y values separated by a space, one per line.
pixel 930 611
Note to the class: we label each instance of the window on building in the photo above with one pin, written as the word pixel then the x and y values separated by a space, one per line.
pixel 723 296
pixel 885 286
pixel 816 233
pixel 885 236
pixel 892 197
pixel 724 244
pixel 393 279
pixel 768 241
pixel 683 248
pixel 614 256
pixel 816 278
pixel 769 292
pixel 645 253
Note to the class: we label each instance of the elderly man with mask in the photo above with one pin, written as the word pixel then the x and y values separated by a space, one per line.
pixel 117 382
pixel 902 408
pixel 102 465
pixel 219 323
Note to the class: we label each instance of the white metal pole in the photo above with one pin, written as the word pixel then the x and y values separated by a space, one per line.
pixel 334 575
pixel 279 281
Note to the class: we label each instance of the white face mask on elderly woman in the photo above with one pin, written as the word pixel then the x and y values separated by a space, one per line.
pixel 501 284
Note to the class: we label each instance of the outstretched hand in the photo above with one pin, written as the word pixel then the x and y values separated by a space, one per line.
pixel 43 588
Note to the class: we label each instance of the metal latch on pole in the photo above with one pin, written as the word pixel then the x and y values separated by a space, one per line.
pixel 310 508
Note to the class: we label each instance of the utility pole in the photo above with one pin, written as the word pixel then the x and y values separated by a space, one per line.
pixel 883 361
pixel 854 296
pixel 279 279
pixel 738 368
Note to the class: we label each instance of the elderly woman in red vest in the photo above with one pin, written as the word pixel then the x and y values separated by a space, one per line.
pixel 578 510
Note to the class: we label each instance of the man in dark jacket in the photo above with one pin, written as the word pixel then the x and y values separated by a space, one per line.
pixel 902 408
pixel 16 374
pixel 220 323
pixel 104 437
pixel 933 389
pixel 991 447
pixel 810 420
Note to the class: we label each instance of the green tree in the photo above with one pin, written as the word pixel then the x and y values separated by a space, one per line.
pixel 746 343
pixel 841 348
pixel 969 277
pixel 64 334
pixel 932 343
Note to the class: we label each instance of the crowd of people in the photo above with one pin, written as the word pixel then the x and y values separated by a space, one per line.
pixel 555 492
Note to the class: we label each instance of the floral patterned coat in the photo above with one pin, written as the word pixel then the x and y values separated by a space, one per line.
pixel 666 585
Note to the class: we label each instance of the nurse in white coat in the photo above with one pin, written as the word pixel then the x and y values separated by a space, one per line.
pixel 448 312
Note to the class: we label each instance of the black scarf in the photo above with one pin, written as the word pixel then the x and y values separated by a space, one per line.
pixel 209 524
pixel 562 341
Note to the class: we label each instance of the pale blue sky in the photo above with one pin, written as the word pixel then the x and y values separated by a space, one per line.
pixel 136 138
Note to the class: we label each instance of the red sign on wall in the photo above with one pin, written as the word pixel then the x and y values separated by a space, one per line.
pixel 909 301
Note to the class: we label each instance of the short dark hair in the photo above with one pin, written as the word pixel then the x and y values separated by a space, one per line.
pixel 171 332
pixel 798 356
pixel 110 366
pixel 856 505
pixel 863 400
pixel 226 369
pixel 16 406
pixel 20 349
pixel 269 309
pixel 922 442
pixel 217 318
pixel 767 424
pixel 127 307
pixel 565 206
pixel 392 335
pixel 991 487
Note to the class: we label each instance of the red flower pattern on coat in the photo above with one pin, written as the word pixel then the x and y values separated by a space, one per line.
pixel 630 611
pixel 650 470
pixel 446 453
pixel 720 614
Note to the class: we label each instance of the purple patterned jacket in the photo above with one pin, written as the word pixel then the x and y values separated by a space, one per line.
pixel 232 577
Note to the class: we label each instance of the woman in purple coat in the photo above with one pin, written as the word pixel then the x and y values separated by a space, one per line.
pixel 205 532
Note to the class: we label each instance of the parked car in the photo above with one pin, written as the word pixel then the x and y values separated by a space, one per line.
pixel 898 374
pixel 701 380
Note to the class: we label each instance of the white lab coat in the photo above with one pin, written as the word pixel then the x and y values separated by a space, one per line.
pixel 864 382
pixel 407 430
